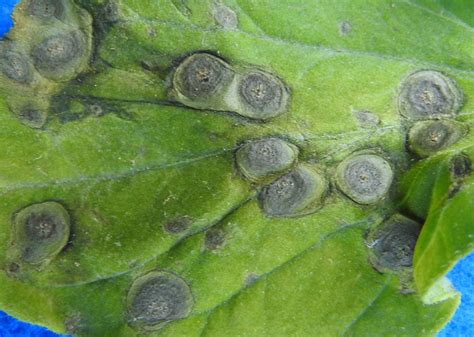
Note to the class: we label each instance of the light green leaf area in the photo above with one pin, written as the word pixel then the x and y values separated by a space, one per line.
pixel 126 160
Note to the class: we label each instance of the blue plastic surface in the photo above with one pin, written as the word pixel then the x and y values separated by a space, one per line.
pixel 10 327
pixel 462 276
pixel 6 7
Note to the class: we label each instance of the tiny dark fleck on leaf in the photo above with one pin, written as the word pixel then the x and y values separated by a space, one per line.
pixel 461 166
pixel 366 119
pixel 251 279
pixel 178 225
pixel 74 324
pixel 96 109
pixel 225 17
pixel 13 268
pixel 345 28
pixel 214 239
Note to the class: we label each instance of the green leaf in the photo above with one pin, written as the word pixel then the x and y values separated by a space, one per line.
pixel 154 187
pixel 448 231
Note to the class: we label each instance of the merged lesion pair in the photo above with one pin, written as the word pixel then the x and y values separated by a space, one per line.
pixel 204 81
pixel 49 46
pixel 430 100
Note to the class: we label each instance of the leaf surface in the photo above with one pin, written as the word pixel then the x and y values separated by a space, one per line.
pixel 126 160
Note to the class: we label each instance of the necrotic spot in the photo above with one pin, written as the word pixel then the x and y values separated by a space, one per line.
pixel 250 279
pixel 428 137
pixel 111 11
pixel 460 166
pixel 345 28
pixel 96 109
pixel 40 227
pixel 158 297
pixel 214 238
pixel 298 192
pixel 46 8
pixel 429 94
pixel 34 118
pixel 367 119
pixel 201 76
pixel 58 51
pixel 13 268
pixel 41 231
pixel 178 225
pixel 393 242
pixel 364 178
pixel 265 157
pixel 74 324
pixel 225 17
pixel 16 67
pixel 262 95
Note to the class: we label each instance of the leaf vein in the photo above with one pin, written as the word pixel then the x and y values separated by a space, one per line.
pixel 366 309
pixel 103 177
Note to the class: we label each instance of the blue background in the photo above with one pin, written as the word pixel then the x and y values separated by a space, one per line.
pixel 462 276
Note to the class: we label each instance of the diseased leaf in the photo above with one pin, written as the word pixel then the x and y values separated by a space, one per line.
pixel 236 168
